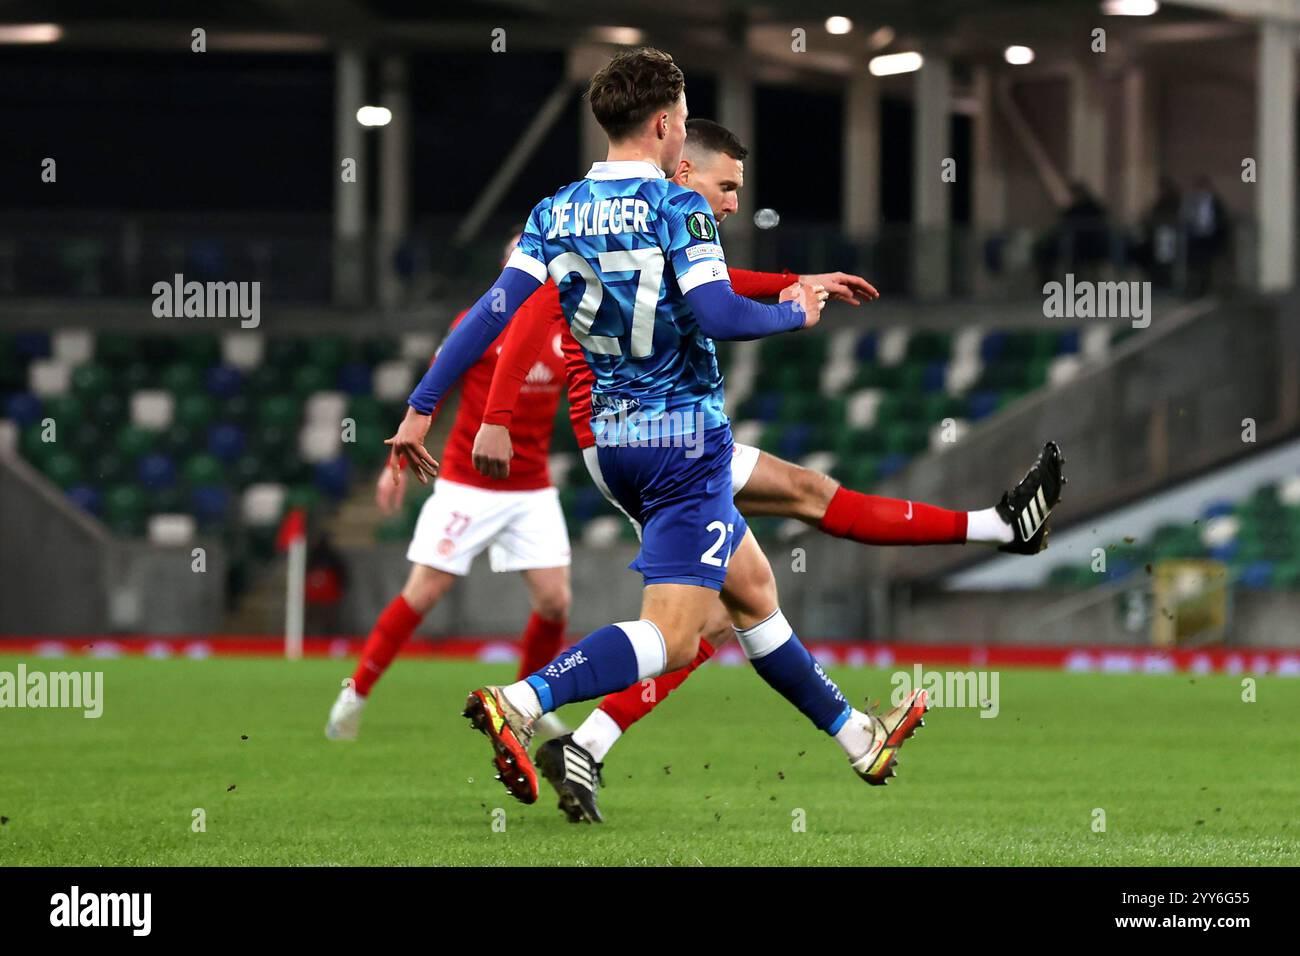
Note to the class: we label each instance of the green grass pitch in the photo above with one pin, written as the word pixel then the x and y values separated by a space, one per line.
pixel 1185 771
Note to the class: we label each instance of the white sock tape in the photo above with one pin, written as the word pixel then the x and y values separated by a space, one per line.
pixel 648 643
pixel 765 637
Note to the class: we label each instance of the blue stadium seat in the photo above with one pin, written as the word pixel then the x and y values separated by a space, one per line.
pixel 794 441
pixel 1117 568
pixel 1226 552
pixel 1216 509
pixel 981 405
pixel 767 406
pixel 205 260
pixel 210 504
pixel 993 345
pixel 87 498
pixel 332 477
pixel 891 464
pixel 156 471
pixel 1258 575
pixel 32 345
pixel 24 408
pixel 226 442
pixel 933 376
pixel 866 347
pixel 224 381
pixel 354 378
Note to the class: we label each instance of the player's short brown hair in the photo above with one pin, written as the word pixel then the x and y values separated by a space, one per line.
pixel 631 88
pixel 704 134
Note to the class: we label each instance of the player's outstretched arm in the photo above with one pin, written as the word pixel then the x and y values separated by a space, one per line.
pixel 389 493
pixel 759 285
pixel 466 344
pixel 843 286
pixel 472 336
pixel 690 244
pixel 725 316
pixel 840 286
pixel 535 320
pixel 407 448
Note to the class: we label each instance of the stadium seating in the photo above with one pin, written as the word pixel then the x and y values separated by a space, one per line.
pixel 231 430
pixel 1258 538
pixel 218 430
pixel 873 400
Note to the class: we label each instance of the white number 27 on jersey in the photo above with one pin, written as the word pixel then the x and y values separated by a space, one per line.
pixel 648 262
pixel 723 531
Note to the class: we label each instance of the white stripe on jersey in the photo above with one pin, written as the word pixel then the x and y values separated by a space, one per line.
pixel 525 263
pixel 711 270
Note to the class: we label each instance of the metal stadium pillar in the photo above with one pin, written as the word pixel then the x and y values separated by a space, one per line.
pixel 736 112
pixel 931 198
pixel 394 179
pixel 1276 159
pixel 989 193
pixel 1141 160
pixel 1087 129
pixel 861 189
pixel 585 60
pixel 989 200
pixel 349 275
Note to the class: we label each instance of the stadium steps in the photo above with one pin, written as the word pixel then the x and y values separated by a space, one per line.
pixel 48 544
pixel 353 524
pixel 350 527
pixel 260 609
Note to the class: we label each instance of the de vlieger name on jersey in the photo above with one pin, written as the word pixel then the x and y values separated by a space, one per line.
pixel 604 217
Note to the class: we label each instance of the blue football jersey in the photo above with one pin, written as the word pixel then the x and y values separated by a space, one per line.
pixel 624 246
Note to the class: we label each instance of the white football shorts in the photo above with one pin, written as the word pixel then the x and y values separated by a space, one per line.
pixel 520 530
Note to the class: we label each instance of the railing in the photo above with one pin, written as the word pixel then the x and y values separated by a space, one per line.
pixel 1014 264
pixel 296 259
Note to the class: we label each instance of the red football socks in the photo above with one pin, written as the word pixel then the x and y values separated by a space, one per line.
pixel 393 629
pixel 874 520
pixel 539 645
pixel 628 706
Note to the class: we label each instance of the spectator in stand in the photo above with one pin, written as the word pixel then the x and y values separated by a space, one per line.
pixel 1205 226
pixel 1080 242
pixel 1157 249
pixel 327 582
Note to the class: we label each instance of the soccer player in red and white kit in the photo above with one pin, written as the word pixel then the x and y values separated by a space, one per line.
pixel 516 519
pixel 713 165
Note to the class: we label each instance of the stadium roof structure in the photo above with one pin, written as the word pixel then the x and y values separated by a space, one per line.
pixel 1242 45
pixel 695 27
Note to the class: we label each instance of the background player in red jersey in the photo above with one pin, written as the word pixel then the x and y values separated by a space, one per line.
pixel 713 165
pixel 516 519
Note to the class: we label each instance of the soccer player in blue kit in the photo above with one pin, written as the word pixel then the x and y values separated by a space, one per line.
pixel 644 285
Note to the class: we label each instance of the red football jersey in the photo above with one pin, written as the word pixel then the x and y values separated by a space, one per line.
pixel 533 327
pixel 531 426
